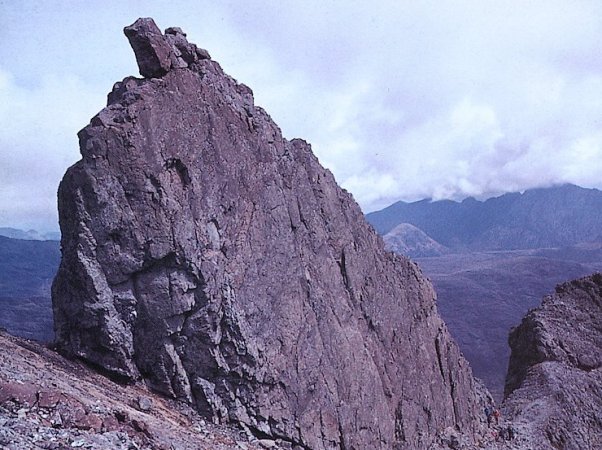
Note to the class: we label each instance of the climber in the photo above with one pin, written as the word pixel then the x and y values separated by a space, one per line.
pixel 489 413
pixel 496 416
pixel 511 433
pixel 503 434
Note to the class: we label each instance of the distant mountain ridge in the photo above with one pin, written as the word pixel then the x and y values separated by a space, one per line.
pixel 538 218
pixel 501 256
pixel 29 235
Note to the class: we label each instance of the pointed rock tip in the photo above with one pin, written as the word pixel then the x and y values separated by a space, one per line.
pixel 153 52
pixel 156 53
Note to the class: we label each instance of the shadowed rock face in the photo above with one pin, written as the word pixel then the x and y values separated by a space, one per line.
pixel 218 261
pixel 554 380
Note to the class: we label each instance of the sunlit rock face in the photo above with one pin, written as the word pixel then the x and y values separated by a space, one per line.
pixel 219 262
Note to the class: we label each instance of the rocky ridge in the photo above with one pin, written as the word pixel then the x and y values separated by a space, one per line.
pixel 220 263
pixel 554 382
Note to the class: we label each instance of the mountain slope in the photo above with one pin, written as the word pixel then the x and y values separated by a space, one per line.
pixel 548 217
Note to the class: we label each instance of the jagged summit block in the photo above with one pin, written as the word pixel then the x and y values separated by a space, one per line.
pixel 157 54
pixel 152 51
pixel 219 262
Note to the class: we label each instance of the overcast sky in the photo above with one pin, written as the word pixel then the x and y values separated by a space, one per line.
pixel 400 99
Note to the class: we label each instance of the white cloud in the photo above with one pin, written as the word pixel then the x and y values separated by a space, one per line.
pixel 38 142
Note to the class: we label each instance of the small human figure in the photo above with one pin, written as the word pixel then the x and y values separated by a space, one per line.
pixel 496 416
pixel 511 433
pixel 489 414
pixel 454 443
pixel 503 434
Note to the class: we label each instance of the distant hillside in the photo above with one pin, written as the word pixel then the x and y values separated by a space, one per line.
pixel 27 268
pixel 539 218
pixel 29 235
pixel 406 239
pixel 502 255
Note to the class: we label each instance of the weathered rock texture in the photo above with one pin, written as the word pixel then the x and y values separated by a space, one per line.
pixel 220 262
pixel 554 381
pixel 47 402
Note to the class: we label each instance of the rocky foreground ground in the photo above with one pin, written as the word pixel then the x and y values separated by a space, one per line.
pixel 49 402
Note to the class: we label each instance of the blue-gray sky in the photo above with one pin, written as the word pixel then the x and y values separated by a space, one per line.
pixel 400 99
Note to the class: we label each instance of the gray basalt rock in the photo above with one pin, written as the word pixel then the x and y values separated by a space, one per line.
pixel 218 261
pixel 554 380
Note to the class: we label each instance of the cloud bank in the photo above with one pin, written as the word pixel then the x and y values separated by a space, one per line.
pixel 401 100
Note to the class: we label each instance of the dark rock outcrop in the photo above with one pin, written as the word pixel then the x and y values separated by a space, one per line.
pixel 218 261
pixel 554 381
pixel 152 50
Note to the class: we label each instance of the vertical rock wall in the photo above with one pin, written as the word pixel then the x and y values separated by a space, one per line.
pixel 218 261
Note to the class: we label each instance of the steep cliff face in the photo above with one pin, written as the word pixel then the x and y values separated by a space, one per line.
pixel 554 381
pixel 218 261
